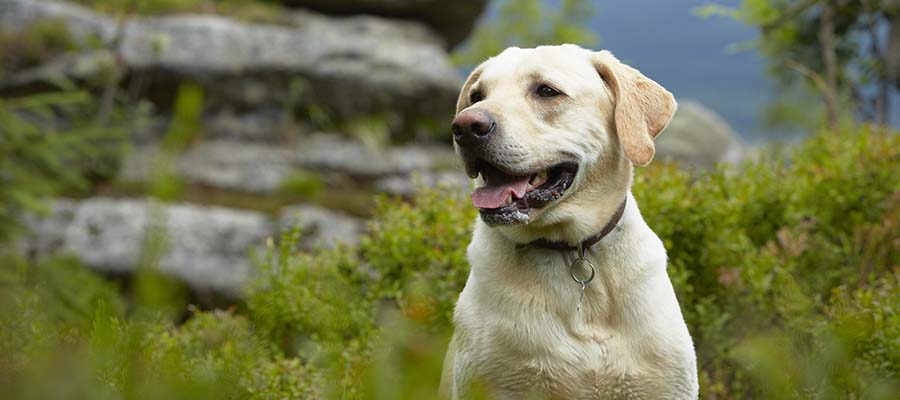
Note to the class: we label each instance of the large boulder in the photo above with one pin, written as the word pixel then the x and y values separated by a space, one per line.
pixel 206 247
pixel 454 20
pixel 698 137
pixel 351 67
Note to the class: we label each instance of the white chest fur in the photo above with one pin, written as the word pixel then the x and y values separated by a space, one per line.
pixel 518 329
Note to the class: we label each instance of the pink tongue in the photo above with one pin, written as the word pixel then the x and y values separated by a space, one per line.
pixel 493 196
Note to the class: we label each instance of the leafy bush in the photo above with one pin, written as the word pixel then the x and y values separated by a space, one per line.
pixel 787 269
pixel 762 247
pixel 418 252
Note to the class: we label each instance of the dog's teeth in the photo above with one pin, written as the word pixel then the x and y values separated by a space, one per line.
pixel 539 179
pixel 509 199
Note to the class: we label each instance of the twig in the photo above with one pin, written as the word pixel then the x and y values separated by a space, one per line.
pixel 815 77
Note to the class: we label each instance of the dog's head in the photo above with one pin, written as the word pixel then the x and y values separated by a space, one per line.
pixel 550 129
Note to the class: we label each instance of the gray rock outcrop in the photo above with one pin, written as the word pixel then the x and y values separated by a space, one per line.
pixel 262 168
pixel 206 247
pixel 353 66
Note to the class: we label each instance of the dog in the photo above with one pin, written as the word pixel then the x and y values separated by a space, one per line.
pixel 568 296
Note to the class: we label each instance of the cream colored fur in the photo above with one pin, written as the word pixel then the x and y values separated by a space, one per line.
pixel 518 333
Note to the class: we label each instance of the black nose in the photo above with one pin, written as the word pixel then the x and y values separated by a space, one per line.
pixel 472 126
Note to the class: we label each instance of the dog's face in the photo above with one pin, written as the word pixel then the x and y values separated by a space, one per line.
pixel 541 125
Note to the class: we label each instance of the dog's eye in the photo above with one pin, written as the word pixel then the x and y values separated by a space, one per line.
pixel 547 91
pixel 475 97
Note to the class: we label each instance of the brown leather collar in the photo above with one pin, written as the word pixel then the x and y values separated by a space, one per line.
pixel 586 243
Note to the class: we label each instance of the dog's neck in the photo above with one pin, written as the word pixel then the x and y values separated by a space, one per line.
pixel 588 241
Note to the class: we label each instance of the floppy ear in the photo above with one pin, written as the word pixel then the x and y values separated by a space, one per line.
pixel 463 98
pixel 643 108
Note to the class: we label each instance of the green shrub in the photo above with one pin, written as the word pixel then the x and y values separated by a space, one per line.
pixel 418 252
pixel 787 270
pixel 296 290
pixel 874 308
pixel 761 247
pixel 46 301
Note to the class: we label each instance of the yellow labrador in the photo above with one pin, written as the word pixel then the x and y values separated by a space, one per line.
pixel 568 296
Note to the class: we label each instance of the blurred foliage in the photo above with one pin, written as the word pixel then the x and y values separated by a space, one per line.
pixel 787 269
pixel 418 251
pixel 305 184
pixel 758 252
pixel 36 44
pixel 528 23
pixel 49 144
pixel 185 129
pixel 832 52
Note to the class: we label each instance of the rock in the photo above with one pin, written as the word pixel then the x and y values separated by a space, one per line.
pixel 206 247
pixel 262 168
pixel 333 153
pixel 320 227
pixel 352 67
pixel 454 20
pixel 698 137
pixel 266 125
pixel 409 185
pixel 233 165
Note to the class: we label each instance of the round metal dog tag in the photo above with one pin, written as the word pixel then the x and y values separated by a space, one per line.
pixel 577 269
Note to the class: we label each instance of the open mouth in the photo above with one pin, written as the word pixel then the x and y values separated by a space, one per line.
pixel 511 199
